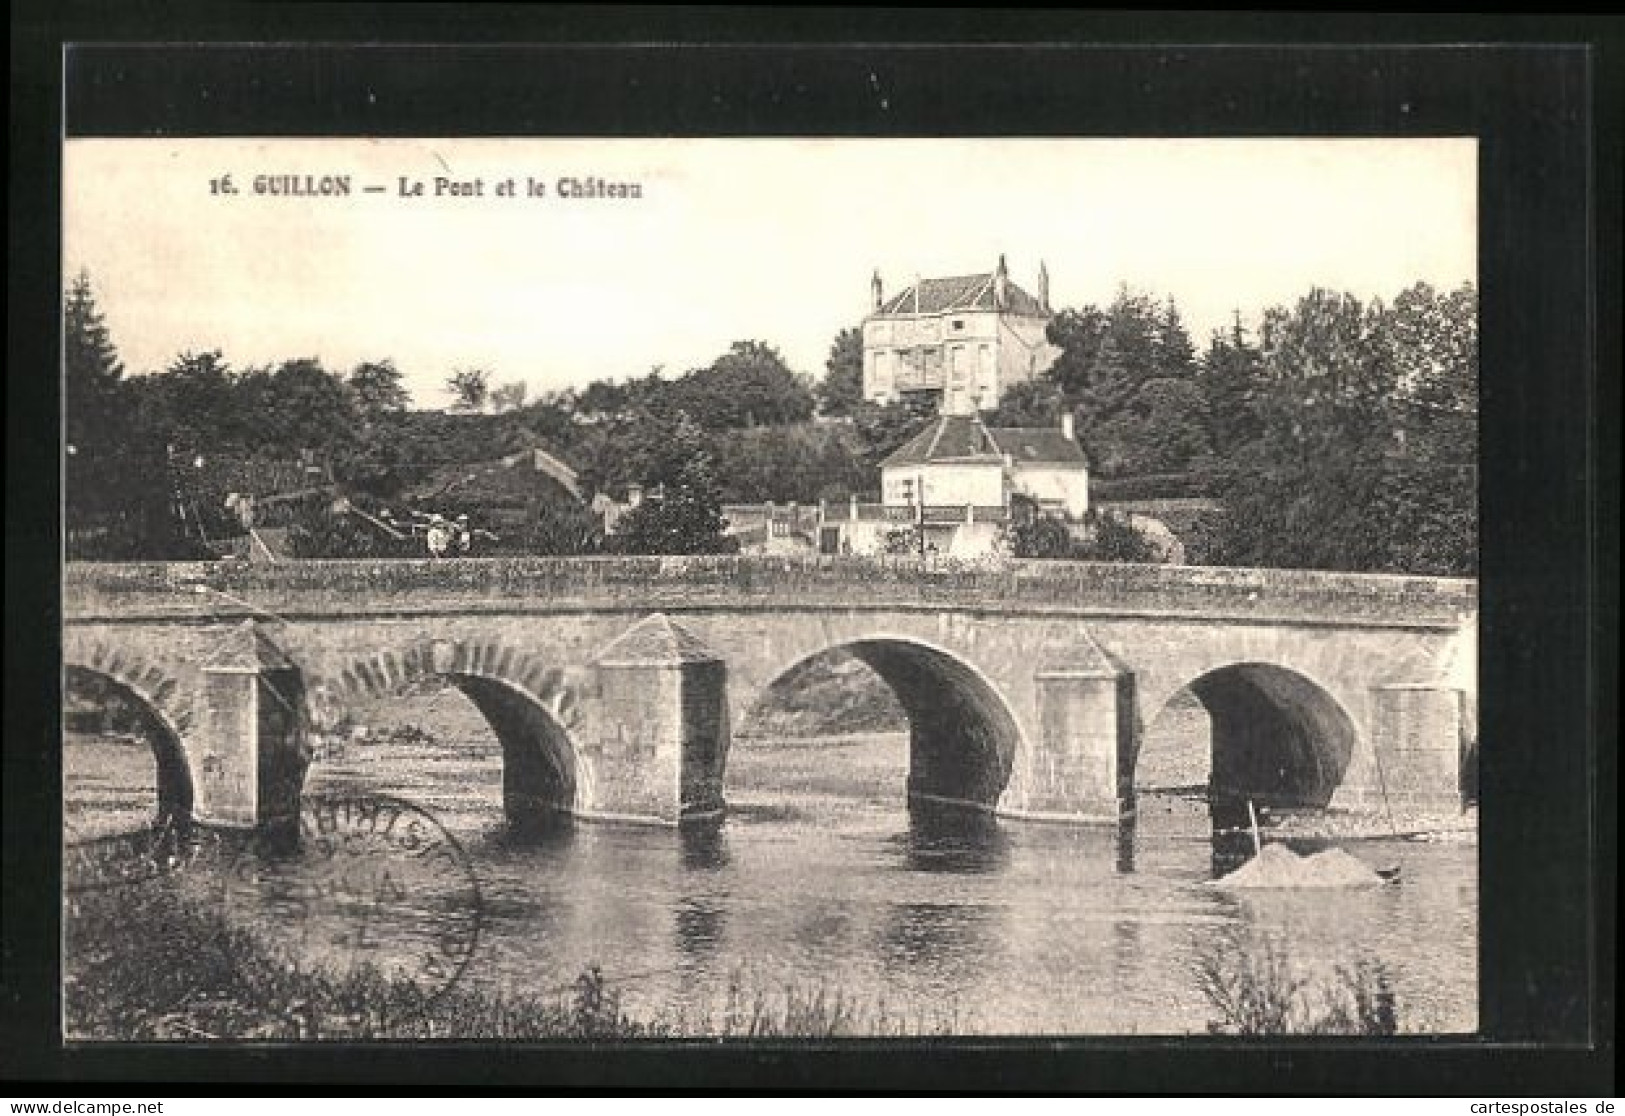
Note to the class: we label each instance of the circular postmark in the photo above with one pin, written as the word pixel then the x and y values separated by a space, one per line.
pixel 371 881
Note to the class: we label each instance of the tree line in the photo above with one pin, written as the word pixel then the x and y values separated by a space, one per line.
pixel 1338 435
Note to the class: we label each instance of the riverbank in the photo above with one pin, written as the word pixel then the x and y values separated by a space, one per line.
pixel 1434 828
pixel 153 962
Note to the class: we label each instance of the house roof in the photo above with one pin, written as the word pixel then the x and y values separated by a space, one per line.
pixel 1036 445
pixel 965 440
pixel 958 439
pixel 959 292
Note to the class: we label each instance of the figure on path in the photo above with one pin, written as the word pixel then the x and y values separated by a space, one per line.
pixel 438 536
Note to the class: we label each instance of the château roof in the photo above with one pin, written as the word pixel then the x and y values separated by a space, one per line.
pixel 959 292
pixel 965 440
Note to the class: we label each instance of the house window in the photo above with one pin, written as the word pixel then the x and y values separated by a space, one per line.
pixel 959 323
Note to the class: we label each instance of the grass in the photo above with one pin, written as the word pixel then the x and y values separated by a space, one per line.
pixel 151 962
pixel 1257 989
pixel 750 1011
pixel 154 963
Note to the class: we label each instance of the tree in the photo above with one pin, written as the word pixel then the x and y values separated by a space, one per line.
pixel 1041 536
pixel 197 403
pixel 1175 355
pixel 379 389
pixel 786 463
pixel 1116 539
pixel 841 390
pixel 1346 473
pixel 302 406
pixel 1107 357
pixel 687 519
pixel 1078 334
pixel 1327 374
pixel 470 389
pixel 1431 340
pixel 508 397
pixel 1230 376
pixel 92 371
pixel 882 429
pixel 116 497
pixel 1162 430
pixel 749 385
pixel 563 529
pixel 1036 402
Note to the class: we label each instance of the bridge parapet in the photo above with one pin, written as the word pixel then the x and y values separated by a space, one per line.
pixel 96 591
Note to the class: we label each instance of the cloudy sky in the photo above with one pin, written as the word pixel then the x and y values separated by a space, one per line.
pixel 731 239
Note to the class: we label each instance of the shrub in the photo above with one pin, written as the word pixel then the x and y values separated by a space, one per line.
pixel 1257 990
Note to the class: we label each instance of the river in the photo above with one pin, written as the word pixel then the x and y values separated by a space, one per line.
pixel 821 879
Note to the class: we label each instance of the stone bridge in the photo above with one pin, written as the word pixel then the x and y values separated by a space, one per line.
pixel 611 683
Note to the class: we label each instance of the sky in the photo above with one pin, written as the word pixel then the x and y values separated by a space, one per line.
pixel 762 239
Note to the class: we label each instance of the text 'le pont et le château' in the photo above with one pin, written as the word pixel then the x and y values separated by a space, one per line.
pixel 568 187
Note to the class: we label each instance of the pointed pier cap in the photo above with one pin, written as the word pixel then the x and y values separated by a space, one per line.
pixel 247 650
pixel 656 640
pixel 1087 659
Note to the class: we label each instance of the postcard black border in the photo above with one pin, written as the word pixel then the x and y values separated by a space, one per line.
pixel 1545 102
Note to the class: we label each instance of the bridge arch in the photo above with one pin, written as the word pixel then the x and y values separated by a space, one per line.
pixel 527 703
pixel 1278 736
pixel 158 695
pixel 963 737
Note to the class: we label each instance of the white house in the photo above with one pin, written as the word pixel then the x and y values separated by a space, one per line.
pixel 948 490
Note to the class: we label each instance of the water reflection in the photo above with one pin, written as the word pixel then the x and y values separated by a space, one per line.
pixel 1230 851
pixel 823 930
pixel 946 838
pixel 698 925
pixel 1125 845
pixel 549 827
pixel 940 936
pixel 1128 953
pixel 704 846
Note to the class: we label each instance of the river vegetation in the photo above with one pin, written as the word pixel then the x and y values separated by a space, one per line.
pixel 1255 989
pixel 1337 434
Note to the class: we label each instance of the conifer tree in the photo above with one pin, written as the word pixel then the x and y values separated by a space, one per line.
pixel 116 485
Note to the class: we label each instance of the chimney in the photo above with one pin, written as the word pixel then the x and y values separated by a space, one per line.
pixel 634 495
pixel 1068 430
pixel 1001 283
pixel 875 290
pixel 1043 286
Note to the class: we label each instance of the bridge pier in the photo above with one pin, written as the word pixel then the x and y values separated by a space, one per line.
pixel 1419 737
pixel 661 738
pixel 250 734
pixel 1082 769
